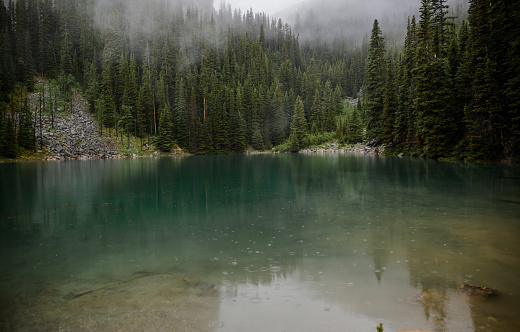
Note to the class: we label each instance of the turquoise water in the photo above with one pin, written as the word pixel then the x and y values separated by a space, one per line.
pixel 277 242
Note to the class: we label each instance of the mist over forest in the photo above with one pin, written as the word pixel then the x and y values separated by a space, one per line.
pixel 429 78
pixel 352 19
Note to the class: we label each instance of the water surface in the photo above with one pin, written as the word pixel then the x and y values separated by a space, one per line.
pixel 333 242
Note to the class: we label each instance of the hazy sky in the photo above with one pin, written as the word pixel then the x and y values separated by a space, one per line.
pixel 268 6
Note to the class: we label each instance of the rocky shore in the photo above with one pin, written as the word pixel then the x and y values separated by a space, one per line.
pixel 73 136
pixel 336 148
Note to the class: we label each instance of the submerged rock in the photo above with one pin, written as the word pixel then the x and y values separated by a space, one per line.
pixel 473 290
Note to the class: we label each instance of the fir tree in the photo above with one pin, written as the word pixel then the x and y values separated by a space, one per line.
pixel 279 119
pixel 435 125
pixel 6 66
pixel 316 114
pixel 483 115
pixel 193 123
pixel 130 98
pixel 374 84
pixel 389 106
pixel 257 140
pixel 8 142
pixel 145 107
pixel 297 138
pixel 26 135
pixel 238 140
pixel 181 112
pixel 106 97
pixel 328 108
pixel 165 138
pixel 354 129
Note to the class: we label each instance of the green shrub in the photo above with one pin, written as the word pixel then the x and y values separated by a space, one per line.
pixel 317 139
pixel 284 147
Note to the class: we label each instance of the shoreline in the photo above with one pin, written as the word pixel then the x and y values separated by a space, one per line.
pixel 45 156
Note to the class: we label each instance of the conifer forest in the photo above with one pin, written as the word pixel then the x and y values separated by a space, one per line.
pixel 226 81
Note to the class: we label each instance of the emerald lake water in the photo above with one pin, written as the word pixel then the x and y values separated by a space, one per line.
pixel 277 242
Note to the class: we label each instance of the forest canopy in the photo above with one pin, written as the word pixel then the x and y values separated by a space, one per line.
pixel 226 81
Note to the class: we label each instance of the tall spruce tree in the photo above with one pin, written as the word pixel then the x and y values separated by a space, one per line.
pixel 354 128
pixel 165 138
pixel 279 119
pixel 181 112
pixel 432 103
pixel 106 97
pixel 374 84
pixel 26 135
pixel 484 112
pixel 389 106
pixel 238 140
pixel 297 138
pixel 404 125
pixel 504 49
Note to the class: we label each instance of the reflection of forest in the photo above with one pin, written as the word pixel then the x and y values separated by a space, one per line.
pixel 264 218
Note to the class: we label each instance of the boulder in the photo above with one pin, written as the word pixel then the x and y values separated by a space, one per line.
pixel 473 290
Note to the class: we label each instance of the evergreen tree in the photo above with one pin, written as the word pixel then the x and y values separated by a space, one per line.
pixel 106 97
pixel 432 103
pixel 165 138
pixel 297 138
pixel 355 128
pixel 8 142
pixel 206 137
pixel 341 128
pixel 238 140
pixel 316 114
pixel 193 123
pixel 328 108
pixel 6 66
pixel 504 49
pixel 389 106
pixel 483 114
pixel 257 140
pixel 130 98
pixel 279 120
pixel 121 80
pixel 66 55
pixel 145 107
pixel 181 112
pixel 127 121
pixel 26 135
pixel 374 84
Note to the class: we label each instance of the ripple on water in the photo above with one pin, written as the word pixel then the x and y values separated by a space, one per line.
pixel 288 298
pixel 275 269
pixel 255 300
pixel 216 324
pixel 251 269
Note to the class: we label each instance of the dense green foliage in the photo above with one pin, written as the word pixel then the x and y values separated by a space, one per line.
pixel 454 85
pixel 218 82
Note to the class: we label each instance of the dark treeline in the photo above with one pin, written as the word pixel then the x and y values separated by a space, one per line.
pixel 209 82
pixel 224 81
pixel 453 91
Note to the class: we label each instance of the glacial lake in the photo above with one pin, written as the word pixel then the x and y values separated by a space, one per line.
pixel 275 242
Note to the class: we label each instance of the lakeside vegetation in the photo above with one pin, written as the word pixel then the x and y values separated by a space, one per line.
pixel 226 82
